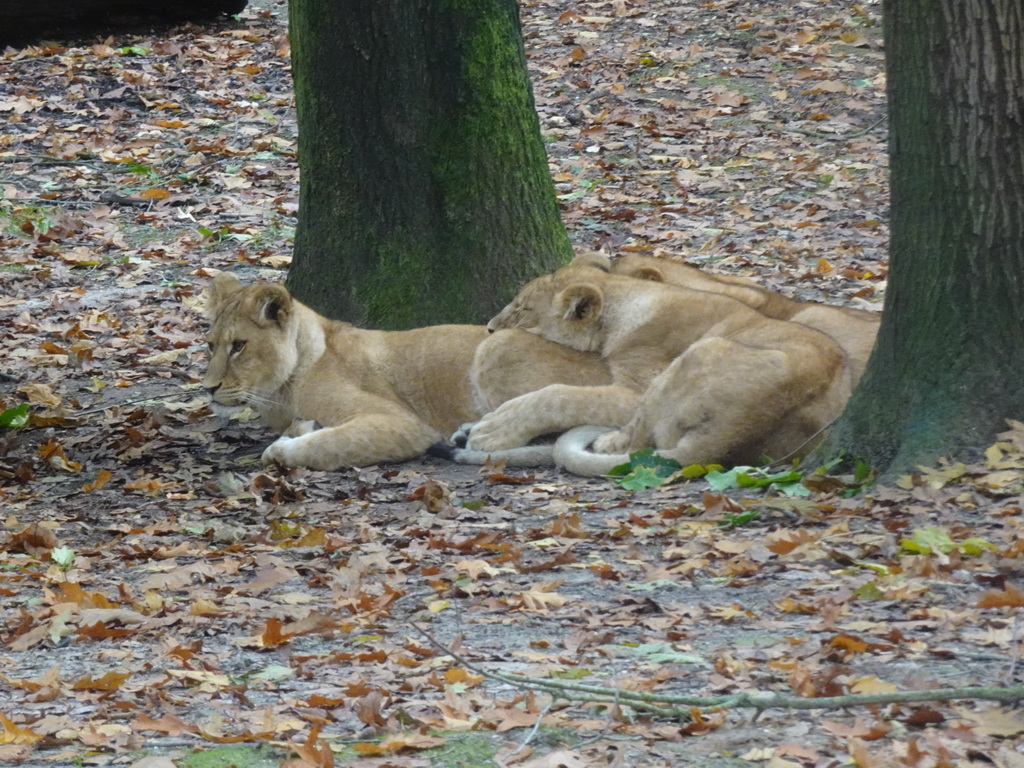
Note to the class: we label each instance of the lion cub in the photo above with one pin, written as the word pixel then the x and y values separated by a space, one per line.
pixel 853 329
pixel 700 376
pixel 344 396
pixel 379 396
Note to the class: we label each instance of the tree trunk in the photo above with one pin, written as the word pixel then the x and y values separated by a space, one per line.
pixel 948 368
pixel 425 195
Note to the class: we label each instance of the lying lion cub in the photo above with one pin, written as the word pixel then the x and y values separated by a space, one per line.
pixel 853 329
pixel 378 395
pixel 698 375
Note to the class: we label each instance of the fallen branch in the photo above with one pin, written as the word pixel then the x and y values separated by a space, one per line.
pixel 832 136
pixel 675 707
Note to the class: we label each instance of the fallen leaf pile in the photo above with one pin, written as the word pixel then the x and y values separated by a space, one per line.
pixel 161 591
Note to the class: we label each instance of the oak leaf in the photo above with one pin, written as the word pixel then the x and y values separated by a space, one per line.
pixel 102 478
pixel 399 742
pixel 541 597
pixel 458 675
pixel 53 453
pixel 998 722
pixel 1008 597
pixel 36 539
pixel 111 681
pixel 170 724
pixel 872 684
pixel 13 734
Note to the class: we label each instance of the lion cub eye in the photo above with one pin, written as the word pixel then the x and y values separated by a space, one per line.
pixel 237 346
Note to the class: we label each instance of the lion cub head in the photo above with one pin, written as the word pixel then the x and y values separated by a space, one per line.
pixel 251 342
pixel 565 306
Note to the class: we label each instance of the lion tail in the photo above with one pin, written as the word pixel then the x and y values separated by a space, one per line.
pixel 572 452
pixel 534 455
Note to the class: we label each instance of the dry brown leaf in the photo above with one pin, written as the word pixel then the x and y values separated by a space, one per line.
pixel 111 681
pixel 170 724
pixel 784 541
pixel 153 761
pixel 102 478
pixel 1008 597
pixel 541 597
pixel 998 722
pixel 872 684
pixel 40 393
pixel 561 758
pixel 14 734
pixel 36 539
pixel 53 453
pixel 457 675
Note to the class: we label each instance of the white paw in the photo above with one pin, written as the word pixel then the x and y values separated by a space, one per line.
pixel 497 432
pixel 277 451
pixel 616 441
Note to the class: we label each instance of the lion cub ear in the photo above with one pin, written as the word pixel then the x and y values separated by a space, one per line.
pixel 581 302
pixel 596 259
pixel 222 286
pixel 272 304
pixel 647 273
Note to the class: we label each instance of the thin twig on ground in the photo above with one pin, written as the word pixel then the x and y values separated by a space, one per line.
pixel 675 707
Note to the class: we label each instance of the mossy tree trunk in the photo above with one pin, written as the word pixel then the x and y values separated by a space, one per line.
pixel 425 194
pixel 948 368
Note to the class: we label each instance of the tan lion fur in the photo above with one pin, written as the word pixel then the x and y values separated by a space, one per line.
pixel 853 329
pixel 378 395
pixel 698 375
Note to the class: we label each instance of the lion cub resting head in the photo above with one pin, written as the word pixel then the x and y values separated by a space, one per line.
pixel 703 378
pixel 379 395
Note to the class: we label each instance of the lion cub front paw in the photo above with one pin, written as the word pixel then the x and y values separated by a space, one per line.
pixel 496 433
pixel 612 442
pixel 277 452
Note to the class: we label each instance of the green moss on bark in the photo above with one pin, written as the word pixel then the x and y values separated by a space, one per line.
pixel 949 361
pixel 425 194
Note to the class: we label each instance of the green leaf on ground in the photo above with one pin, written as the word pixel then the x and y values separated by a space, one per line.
pixel 934 540
pixel 646 458
pixel 641 478
pixel 15 417
pixel 926 541
pixel 645 469
pixel 64 557
pixel 736 519
pixel 787 482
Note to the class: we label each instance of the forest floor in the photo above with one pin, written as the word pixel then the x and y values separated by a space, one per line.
pixel 165 601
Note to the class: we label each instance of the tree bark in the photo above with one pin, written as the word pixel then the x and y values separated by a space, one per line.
pixel 425 195
pixel 948 367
